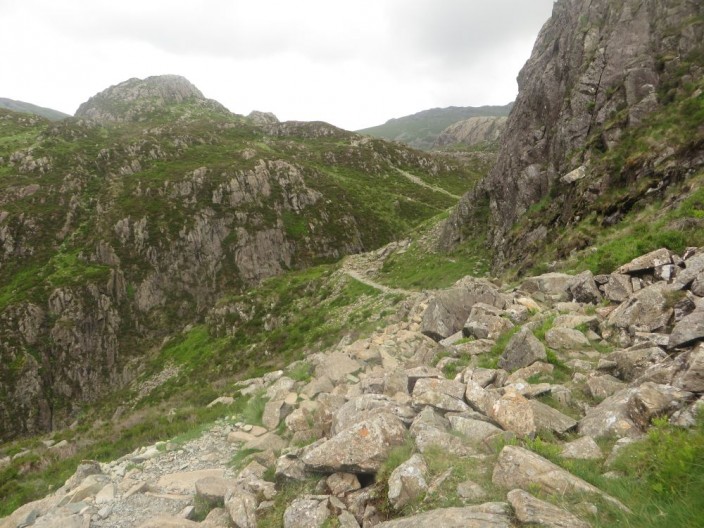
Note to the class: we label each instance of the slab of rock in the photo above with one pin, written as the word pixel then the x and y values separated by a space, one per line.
pixel 553 285
pixel 306 513
pixel 485 322
pixel 522 350
pixel 361 448
pixel 531 510
pixel 360 408
pixel 488 515
pixel 647 310
pixel 566 339
pixel 550 419
pixel 519 467
pixel 573 321
pixel 649 261
pixel 336 366
pixel 601 387
pixel 633 362
pixel 476 431
pixel 184 482
pixel 584 448
pixel 407 482
pixel 689 330
pixel 213 489
pixel 471 491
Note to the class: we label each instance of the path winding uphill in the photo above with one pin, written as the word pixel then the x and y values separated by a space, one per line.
pixel 605 356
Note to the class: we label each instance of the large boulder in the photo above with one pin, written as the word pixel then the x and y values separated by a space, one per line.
pixel 361 448
pixel 583 289
pixel 610 418
pixel 554 286
pixel 522 350
pixel 692 376
pixel 448 310
pixel 647 310
pixel 648 262
pixel 306 513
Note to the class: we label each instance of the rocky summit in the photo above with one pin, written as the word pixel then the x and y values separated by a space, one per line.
pixel 216 320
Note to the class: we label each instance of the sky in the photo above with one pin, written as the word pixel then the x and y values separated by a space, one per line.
pixel 354 64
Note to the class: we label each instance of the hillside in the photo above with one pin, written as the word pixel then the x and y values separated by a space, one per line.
pixel 128 222
pixel 421 130
pixel 28 108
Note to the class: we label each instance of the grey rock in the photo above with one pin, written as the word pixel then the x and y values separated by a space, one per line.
pixel 650 261
pixel 535 511
pixel 519 467
pixel 584 448
pixel 566 339
pixel 361 448
pixel 306 513
pixel 522 350
pixel 619 287
pixel 471 491
pixel 407 482
pixel 633 362
pixel 692 377
pixel 448 310
pixel 610 418
pixel 650 400
pixel 583 288
pixel 646 310
pixel 689 330
pixel 340 484
pixel 242 507
pixel 601 387
pixel 488 515
pixel 474 430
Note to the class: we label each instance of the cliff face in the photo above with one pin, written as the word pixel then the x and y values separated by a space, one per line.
pixel 475 131
pixel 598 68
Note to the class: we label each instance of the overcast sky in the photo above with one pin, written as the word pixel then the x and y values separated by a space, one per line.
pixel 353 63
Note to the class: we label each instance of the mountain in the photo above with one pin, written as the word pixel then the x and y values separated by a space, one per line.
pixel 608 122
pixel 129 221
pixel 421 130
pixel 28 108
pixel 474 132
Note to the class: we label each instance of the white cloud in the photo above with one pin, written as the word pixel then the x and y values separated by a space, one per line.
pixel 354 64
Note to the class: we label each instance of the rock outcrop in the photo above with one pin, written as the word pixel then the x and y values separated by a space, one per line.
pixel 472 132
pixel 597 69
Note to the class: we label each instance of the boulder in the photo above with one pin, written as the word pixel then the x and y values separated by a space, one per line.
pixel 242 507
pixel 448 310
pixel 566 339
pixel 529 509
pixel 517 466
pixel 647 310
pixel 610 418
pixel 306 513
pixel 488 515
pixel 366 405
pixel 648 262
pixel 471 491
pixel 525 417
pixel 650 400
pixel 485 322
pixel 340 484
pixel 584 448
pixel 407 482
pixel 618 288
pixel 688 330
pixel 212 490
pixel 552 285
pixel 361 448
pixel 336 366
pixel 583 288
pixel 475 431
pixel 601 387
pixel 633 362
pixel 522 350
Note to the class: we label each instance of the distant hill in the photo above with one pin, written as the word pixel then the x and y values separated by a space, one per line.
pixel 422 130
pixel 29 108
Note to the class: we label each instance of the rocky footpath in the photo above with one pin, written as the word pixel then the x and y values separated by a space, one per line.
pixel 467 380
